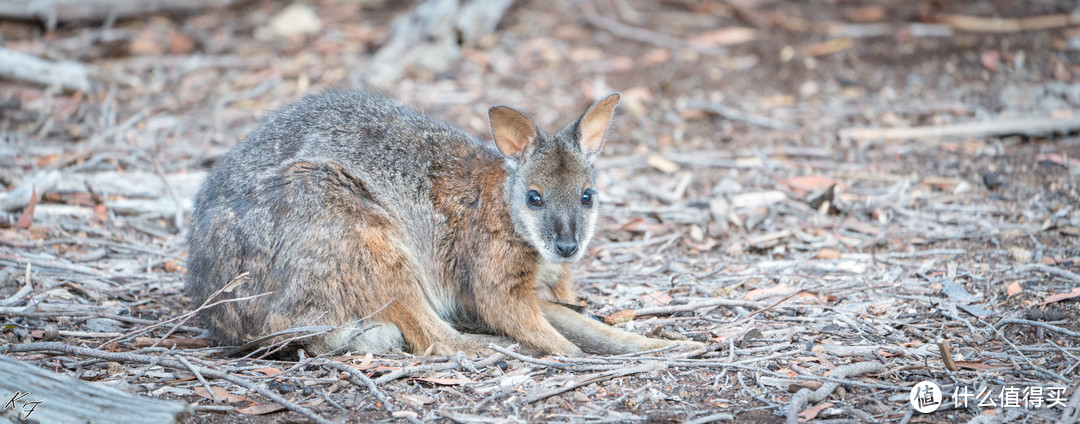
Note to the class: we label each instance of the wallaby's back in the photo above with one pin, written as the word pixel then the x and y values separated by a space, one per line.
pixel 382 151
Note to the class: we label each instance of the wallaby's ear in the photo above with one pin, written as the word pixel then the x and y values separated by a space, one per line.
pixel 594 124
pixel 514 132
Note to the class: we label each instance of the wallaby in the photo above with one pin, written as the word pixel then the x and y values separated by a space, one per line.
pixel 349 205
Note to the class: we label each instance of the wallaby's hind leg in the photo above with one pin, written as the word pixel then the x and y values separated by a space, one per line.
pixel 598 338
pixel 589 334
pixel 374 263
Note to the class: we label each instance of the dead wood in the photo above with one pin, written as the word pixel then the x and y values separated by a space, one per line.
pixel 25 67
pixel 1026 126
pixel 51 12
pixel 430 36
pixel 131 357
pixel 738 115
pixel 67 400
pixel 997 24
pixel 804 396
pixel 593 378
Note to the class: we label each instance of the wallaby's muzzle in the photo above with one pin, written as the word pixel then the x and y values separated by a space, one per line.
pixel 566 246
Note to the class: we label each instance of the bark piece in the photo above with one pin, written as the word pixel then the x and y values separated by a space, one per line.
pixel 68 400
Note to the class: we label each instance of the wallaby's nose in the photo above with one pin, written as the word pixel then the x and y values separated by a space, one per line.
pixel 567 247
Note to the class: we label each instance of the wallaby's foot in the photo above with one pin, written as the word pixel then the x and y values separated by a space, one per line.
pixel 596 337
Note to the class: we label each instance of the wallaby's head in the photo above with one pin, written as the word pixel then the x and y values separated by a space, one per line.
pixel 550 188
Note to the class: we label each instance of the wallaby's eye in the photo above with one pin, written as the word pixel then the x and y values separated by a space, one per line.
pixel 534 199
pixel 587 197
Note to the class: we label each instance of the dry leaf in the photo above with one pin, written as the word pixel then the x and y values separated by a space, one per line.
pixel 662 164
pixel 261 409
pixel 1014 288
pixel 171 266
pixel 620 317
pixel 656 298
pixel 1057 159
pixel 867 14
pixel 46 160
pixel 809 183
pixel 973 365
pixel 641 225
pixel 27 216
pixel 812 412
pixel 1061 296
pixel 221 394
pixel 991 59
pixel 417 400
pixel 725 37
pixel 828 253
pixel 771 291
pixel 269 371
pixel 101 212
pixel 811 385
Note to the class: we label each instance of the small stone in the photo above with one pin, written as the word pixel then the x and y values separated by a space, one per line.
pixel 51 332
pixel 104 325
pixel 1021 255
pixel 993 180
pixel 171 266
pixel 296 19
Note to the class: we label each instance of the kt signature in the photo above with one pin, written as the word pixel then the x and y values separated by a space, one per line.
pixel 28 406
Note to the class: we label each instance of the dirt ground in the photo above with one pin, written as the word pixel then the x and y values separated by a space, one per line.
pixel 860 194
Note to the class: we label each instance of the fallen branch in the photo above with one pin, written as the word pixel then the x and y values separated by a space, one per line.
pixel 1006 25
pixel 447 366
pixel 430 36
pixel 711 418
pixel 146 359
pixel 541 362
pixel 1071 413
pixel 26 67
pixel 1025 126
pixel 738 115
pixel 33 187
pixel 51 12
pixel 803 396
pixel 1050 327
pixel 712 303
pixel 593 378
pixel 639 34
pixel 916 30
pixel 359 379
pixel 64 399
pixel 1051 270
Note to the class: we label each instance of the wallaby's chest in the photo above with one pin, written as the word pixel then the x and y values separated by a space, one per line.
pixel 547 274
